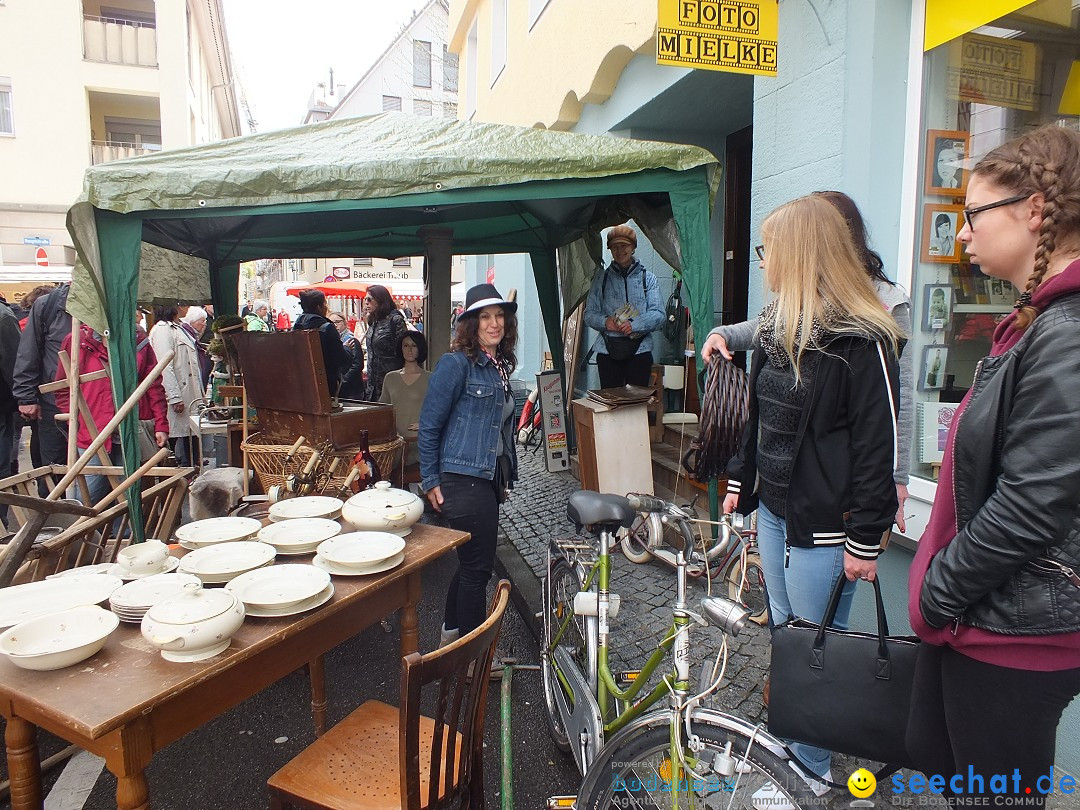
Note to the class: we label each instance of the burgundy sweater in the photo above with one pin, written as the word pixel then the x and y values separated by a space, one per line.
pixel 1039 653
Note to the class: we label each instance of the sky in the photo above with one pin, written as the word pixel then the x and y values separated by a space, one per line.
pixel 281 50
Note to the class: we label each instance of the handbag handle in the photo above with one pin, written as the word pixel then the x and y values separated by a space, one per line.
pixel 830 616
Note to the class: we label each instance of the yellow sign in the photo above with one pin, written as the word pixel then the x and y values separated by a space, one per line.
pixel 948 19
pixel 738 36
pixel 990 70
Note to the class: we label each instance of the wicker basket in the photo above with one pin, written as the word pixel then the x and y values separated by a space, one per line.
pixel 267 461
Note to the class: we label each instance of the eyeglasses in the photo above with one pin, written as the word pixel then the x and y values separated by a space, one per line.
pixel 760 251
pixel 336 320
pixel 969 213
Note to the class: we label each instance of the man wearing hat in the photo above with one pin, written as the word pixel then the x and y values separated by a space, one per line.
pixel 624 307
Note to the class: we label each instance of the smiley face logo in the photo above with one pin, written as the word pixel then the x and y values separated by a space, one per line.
pixel 861 783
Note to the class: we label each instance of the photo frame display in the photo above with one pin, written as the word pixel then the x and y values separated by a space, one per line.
pixel 934 425
pixel 1000 292
pixel 941 223
pixel 935 359
pixel 937 306
pixel 946 162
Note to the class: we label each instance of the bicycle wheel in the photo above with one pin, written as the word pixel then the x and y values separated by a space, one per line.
pixel 638 774
pixel 636 539
pixel 750 592
pixel 563 583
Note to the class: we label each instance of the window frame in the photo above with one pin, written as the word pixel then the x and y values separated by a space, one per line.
pixel 421 47
pixel 7 90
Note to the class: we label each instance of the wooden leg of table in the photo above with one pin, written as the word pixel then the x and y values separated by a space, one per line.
pixel 318 695
pixel 410 639
pixel 24 764
pixel 127 759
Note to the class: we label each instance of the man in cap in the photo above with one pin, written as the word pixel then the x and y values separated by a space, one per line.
pixel 624 307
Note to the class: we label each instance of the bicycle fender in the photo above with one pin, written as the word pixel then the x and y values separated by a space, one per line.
pixel 661 718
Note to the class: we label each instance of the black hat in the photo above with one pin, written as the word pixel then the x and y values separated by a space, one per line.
pixel 485 295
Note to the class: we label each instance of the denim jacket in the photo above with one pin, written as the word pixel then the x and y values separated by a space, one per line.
pixel 639 288
pixel 459 420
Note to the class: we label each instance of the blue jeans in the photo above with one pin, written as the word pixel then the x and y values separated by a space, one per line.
pixel 99 485
pixel 801 588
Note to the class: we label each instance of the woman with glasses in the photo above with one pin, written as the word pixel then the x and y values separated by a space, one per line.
pixel 740 337
pixel 352 381
pixel 993 592
pixel 818 452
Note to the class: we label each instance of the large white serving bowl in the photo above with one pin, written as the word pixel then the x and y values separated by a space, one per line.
pixel 307 506
pixel 222 562
pixel 202 533
pixel 360 549
pixel 20 603
pixel 58 640
pixel 298 535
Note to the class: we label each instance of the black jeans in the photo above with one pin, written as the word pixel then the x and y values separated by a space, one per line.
pixel 993 720
pixel 469 505
pixel 632 371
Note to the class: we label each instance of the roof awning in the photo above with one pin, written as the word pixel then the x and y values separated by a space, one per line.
pixel 34 273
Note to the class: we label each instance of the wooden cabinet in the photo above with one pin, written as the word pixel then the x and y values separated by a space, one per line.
pixel 613 447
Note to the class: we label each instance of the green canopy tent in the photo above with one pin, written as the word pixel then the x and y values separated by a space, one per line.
pixel 174 225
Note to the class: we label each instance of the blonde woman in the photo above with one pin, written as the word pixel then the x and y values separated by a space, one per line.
pixel 819 449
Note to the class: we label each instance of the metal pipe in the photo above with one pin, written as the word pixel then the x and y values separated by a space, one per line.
pixel 506 795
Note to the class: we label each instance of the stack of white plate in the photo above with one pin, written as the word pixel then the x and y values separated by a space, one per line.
pixel 225 561
pixel 299 536
pixel 210 532
pixel 20 603
pixel 308 506
pixel 282 590
pixel 131 601
pixel 359 553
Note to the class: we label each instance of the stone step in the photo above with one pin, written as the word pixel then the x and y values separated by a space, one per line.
pixel 674 434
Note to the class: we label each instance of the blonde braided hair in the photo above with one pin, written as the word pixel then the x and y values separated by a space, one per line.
pixel 1044 161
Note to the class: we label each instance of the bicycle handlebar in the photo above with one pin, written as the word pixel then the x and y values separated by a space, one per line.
pixel 647 503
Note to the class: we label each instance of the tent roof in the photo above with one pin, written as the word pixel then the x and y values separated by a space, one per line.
pixel 503 189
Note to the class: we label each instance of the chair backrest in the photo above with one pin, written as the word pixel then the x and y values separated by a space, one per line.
pixel 459 711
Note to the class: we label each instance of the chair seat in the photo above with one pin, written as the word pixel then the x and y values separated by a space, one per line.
pixel 680 419
pixel 354 766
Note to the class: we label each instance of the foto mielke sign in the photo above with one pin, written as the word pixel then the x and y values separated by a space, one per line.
pixel 738 36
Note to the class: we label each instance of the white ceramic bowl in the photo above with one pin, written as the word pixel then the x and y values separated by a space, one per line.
pixel 360 549
pixel 307 506
pixel 59 639
pixel 382 509
pixel 143 559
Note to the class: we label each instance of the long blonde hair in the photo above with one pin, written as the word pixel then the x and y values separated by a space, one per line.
pixel 819 277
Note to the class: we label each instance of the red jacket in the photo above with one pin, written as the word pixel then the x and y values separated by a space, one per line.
pixel 98 393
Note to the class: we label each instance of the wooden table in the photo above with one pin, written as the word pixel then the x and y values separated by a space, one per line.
pixel 127 702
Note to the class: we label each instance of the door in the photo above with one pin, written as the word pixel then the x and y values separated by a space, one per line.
pixel 736 287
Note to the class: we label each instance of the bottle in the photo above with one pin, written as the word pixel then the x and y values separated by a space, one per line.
pixel 365 463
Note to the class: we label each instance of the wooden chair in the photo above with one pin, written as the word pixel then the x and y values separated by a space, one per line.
pixel 438 761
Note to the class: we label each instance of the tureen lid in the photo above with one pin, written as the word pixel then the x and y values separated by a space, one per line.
pixel 382 496
pixel 195 604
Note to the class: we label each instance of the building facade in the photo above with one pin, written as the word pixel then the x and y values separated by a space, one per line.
pixel 88 81
pixel 890 101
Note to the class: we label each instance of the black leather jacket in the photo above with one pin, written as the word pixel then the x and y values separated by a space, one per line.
pixel 1016 463
pixel 382 339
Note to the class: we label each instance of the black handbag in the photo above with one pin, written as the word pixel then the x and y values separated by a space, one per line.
pixel 845 691
pixel 620 347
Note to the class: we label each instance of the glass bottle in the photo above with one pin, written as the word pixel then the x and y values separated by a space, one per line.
pixel 364 461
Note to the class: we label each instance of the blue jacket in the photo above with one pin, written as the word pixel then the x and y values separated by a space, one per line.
pixel 639 287
pixel 460 420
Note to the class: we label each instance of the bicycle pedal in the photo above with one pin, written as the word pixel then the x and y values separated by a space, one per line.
pixel 561 802
pixel 626 678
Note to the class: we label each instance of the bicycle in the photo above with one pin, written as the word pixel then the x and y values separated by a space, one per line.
pixel 631 754
pixel 739 565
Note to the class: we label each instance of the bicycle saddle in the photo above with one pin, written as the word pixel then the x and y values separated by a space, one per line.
pixel 601 511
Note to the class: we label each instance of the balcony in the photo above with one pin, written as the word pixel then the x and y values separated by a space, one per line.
pixel 119 41
pixel 105 151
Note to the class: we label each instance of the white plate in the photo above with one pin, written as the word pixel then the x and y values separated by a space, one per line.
pixel 99 568
pixel 227 559
pixel 318 599
pixel 290 535
pixel 308 506
pixel 279 586
pixel 217 530
pixel 353 571
pixel 20 603
pixel 171 564
pixel 296 551
pixel 144 593
pixel 360 548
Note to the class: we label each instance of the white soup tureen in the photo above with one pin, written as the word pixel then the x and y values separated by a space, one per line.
pixel 198 623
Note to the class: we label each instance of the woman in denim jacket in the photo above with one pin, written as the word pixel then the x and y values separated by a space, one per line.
pixel 466 444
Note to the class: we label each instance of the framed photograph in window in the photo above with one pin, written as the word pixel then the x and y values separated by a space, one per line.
pixel 937 306
pixel 935 359
pixel 1000 292
pixel 935 421
pixel 946 156
pixel 940 226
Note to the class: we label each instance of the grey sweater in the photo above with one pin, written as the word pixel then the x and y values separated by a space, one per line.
pixel 741 337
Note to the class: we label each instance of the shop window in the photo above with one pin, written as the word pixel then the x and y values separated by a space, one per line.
pixel 981 89
pixel 498 38
pixel 363 261
pixel 449 71
pixel 421 107
pixel 404 261
pixel 7 118
pixel 421 63
pixel 391 103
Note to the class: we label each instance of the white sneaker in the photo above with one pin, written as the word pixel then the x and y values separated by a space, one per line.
pixel 769 797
